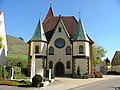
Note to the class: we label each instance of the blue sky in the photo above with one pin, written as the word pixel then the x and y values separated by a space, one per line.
pixel 101 18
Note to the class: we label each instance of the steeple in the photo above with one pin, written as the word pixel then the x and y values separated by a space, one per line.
pixel 80 33
pixel 49 14
pixel 39 33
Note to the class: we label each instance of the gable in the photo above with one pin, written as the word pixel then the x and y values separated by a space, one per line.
pixel 116 56
pixel 69 22
pixel 60 34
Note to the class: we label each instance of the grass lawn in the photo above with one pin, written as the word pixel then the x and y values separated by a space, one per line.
pixel 24 58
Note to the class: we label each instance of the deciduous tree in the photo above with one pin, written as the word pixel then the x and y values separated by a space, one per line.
pixel 98 53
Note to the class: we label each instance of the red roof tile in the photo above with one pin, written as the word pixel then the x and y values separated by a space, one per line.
pixel 49 15
pixel 69 21
pixel 50 22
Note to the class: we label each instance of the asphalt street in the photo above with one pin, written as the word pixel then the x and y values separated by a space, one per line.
pixel 110 84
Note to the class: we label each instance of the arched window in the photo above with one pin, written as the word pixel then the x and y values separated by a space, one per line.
pixel 37 49
pixel 51 51
pixel 68 51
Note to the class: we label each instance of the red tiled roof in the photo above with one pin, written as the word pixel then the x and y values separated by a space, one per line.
pixel 49 15
pixel 69 21
pixel 50 22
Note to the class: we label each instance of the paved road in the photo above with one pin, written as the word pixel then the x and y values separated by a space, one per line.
pixel 110 84
pixel 106 83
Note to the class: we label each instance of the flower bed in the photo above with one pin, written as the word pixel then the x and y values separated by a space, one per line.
pixel 15 83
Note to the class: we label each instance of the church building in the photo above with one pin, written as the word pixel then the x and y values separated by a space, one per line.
pixel 60 43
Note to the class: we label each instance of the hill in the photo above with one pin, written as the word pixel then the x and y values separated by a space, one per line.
pixel 16 45
pixel 17 49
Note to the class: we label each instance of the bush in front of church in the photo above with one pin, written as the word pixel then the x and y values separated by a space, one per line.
pixel 97 74
pixel 36 80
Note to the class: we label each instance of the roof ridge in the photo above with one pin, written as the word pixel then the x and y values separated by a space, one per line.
pixel 64 16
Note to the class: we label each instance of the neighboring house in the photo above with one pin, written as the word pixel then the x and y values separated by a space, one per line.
pixel 61 44
pixel 105 66
pixel 3 51
pixel 116 62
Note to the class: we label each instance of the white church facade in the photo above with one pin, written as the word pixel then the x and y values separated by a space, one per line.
pixel 3 50
pixel 60 43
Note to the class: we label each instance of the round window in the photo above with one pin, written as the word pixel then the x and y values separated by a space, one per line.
pixel 59 42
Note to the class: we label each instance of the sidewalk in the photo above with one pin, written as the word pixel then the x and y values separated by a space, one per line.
pixel 69 83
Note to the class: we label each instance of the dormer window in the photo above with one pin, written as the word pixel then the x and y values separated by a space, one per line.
pixel 81 49
pixel 59 29
pixel 37 49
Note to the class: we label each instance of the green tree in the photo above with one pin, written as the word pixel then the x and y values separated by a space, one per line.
pixel 1 45
pixel 78 70
pixel 98 53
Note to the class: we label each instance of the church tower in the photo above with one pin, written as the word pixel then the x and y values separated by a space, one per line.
pixel 37 50
pixel 81 50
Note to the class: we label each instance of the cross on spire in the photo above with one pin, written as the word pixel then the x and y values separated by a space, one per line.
pixel 79 15
pixel 39 15
pixel 50 4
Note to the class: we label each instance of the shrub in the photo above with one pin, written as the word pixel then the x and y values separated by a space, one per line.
pixel 36 80
pixel 78 70
pixel 97 74
pixel 52 76
pixel 20 64
pixel 23 82
pixel 92 76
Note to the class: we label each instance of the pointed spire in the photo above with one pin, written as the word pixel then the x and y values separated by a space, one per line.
pixel 80 33
pixel 49 14
pixel 39 33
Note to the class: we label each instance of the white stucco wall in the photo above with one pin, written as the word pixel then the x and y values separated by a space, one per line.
pixel 60 53
pixel 76 48
pixel 42 48
pixel 83 64
pixel 3 51
pixel 38 66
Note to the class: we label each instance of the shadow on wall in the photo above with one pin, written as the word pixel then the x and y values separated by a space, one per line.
pixel 3 57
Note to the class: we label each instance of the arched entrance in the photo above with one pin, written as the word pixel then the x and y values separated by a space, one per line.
pixel 59 69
